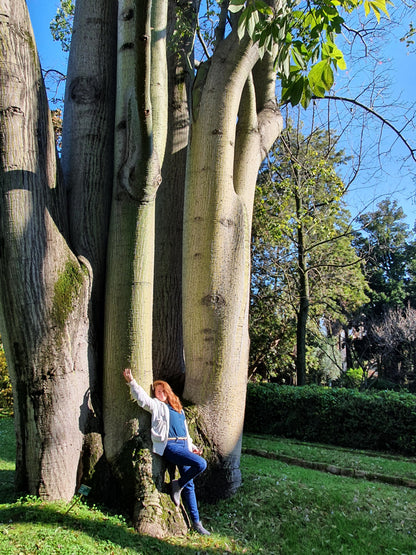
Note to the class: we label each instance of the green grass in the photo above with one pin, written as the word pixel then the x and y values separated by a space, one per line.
pixel 346 458
pixel 280 509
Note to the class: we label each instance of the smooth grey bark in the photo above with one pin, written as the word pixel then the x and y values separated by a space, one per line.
pixel 129 291
pixel 236 113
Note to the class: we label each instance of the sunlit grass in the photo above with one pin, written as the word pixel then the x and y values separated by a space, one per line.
pixel 380 463
pixel 280 509
pixel 313 512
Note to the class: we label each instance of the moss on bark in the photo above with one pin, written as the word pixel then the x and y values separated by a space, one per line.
pixel 66 291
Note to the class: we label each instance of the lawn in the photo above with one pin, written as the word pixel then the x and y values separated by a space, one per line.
pixel 280 509
pixel 373 463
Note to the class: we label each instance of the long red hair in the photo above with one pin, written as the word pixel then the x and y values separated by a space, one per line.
pixel 172 399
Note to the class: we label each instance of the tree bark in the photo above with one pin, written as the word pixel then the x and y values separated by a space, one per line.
pixel 168 360
pixel 44 287
pixel 141 117
pixel 303 311
pixel 87 162
pixel 218 206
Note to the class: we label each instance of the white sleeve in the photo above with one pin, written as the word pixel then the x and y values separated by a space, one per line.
pixel 142 398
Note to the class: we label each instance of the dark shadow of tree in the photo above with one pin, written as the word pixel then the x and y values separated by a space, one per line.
pixel 99 530
pixel 7 492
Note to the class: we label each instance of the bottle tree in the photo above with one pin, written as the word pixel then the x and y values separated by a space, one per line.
pixel 134 248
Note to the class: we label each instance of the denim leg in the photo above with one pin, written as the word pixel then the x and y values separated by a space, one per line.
pixel 189 497
pixel 177 452
pixel 189 465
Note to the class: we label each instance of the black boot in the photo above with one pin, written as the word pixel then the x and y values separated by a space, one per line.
pixel 197 526
pixel 176 492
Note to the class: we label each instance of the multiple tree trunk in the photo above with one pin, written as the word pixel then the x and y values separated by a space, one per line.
pixel 147 230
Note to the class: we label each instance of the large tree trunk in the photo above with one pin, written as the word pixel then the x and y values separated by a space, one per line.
pixel 168 361
pixel 141 126
pixel 218 207
pixel 87 163
pixel 44 288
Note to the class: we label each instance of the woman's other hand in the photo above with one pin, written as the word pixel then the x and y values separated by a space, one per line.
pixel 128 376
pixel 197 451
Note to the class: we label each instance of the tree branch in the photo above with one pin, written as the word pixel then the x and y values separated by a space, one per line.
pixel 376 114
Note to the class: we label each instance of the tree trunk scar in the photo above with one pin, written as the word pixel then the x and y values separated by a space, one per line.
pixel 226 222
pixel 85 90
pixel 12 111
pixel 127 15
pixel 215 300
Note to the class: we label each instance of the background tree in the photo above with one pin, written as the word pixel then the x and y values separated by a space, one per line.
pixel 383 242
pixel 386 246
pixel 303 260
pixel 62 25
pixel 395 338
pixel 6 395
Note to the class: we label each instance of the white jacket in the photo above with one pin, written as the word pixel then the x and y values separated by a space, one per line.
pixel 160 418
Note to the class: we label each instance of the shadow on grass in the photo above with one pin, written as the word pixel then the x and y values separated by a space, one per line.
pixel 102 531
pixel 7 491
pixel 7 439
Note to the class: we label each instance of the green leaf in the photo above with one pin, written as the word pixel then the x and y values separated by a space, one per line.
pixel 297 91
pixel 321 78
pixel 331 51
pixel 306 96
pixel 298 58
pixel 340 62
pixel 252 21
pixel 282 63
pixel 377 6
pixel 330 11
pixel 263 8
pixel 316 53
pixel 236 5
pixel 242 24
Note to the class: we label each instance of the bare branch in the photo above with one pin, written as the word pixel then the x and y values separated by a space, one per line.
pixel 377 115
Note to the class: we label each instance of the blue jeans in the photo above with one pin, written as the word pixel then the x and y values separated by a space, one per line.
pixel 189 465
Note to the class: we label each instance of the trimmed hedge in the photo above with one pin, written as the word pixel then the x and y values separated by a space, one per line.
pixel 379 420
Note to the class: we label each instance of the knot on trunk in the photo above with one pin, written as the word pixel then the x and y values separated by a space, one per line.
pixel 85 90
pixel 215 299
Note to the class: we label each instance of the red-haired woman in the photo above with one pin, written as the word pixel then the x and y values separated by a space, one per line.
pixel 170 438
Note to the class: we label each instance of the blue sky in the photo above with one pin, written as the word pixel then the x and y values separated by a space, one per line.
pixel 394 180
pixel 50 53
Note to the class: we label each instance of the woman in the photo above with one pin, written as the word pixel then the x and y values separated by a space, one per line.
pixel 170 438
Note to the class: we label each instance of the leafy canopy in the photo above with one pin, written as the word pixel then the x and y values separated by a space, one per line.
pixel 61 25
pixel 301 232
pixel 387 247
pixel 305 34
